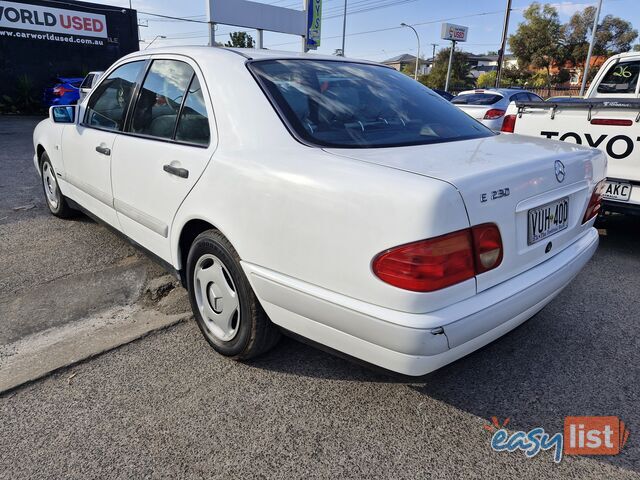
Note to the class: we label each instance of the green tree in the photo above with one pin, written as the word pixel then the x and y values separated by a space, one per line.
pixel 539 40
pixel 410 68
pixel 486 79
pixel 636 48
pixel 516 76
pixel 460 68
pixel 613 35
pixel 240 40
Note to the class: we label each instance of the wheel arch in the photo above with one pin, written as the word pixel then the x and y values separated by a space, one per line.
pixel 188 233
pixel 39 151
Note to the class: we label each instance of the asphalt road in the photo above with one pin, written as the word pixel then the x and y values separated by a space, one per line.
pixel 167 406
pixel 54 271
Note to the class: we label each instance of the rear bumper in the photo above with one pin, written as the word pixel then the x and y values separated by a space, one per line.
pixel 621 207
pixel 631 207
pixel 410 343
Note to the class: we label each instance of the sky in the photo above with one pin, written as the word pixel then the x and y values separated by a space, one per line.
pixel 484 19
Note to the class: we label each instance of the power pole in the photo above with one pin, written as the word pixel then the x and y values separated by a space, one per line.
pixel 211 26
pixel 344 25
pixel 593 40
pixel 433 57
pixel 453 47
pixel 503 44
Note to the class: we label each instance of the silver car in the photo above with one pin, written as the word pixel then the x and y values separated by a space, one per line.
pixel 489 105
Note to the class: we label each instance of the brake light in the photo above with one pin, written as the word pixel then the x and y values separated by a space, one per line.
pixel 595 202
pixel 509 124
pixel 487 246
pixel 619 122
pixel 494 113
pixel 428 265
pixel 60 91
pixel 440 262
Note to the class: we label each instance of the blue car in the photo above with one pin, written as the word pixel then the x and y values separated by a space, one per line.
pixel 65 92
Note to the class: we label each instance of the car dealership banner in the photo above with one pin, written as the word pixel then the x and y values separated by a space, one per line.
pixel 38 18
pixel 314 23
pixel 455 33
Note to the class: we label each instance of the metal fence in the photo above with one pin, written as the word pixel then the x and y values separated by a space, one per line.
pixel 555 92
pixel 542 92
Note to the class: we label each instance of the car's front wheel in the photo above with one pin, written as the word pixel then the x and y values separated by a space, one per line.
pixel 56 202
pixel 223 302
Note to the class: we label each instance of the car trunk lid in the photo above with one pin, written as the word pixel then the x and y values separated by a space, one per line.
pixel 501 178
pixel 475 111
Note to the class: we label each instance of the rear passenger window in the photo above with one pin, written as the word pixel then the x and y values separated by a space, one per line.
pixel 193 126
pixel 621 78
pixel 108 104
pixel 88 80
pixel 161 96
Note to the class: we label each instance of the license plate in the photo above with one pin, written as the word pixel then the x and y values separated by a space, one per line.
pixel 620 191
pixel 547 220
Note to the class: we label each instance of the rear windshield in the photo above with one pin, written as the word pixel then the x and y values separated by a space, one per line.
pixel 476 99
pixel 621 78
pixel 352 105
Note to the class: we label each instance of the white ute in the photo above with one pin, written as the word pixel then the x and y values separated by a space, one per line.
pixel 608 118
pixel 337 199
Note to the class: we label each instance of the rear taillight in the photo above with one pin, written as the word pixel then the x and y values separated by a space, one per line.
pixel 487 246
pixel 440 262
pixel 429 264
pixel 595 202
pixel 509 124
pixel 616 122
pixel 494 113
pixel 60 91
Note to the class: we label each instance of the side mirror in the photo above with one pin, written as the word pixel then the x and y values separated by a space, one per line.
pixel 63 114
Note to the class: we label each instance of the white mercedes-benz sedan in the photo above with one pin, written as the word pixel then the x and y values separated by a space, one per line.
pixel 336 199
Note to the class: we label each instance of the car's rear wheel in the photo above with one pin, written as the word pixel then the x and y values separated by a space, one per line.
pixel 223 302
pixel 56 202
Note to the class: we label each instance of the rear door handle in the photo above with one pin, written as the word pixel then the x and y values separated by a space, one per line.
pixel 177 171
pixel 103 150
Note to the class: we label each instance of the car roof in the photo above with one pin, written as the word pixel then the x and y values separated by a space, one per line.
pixel 628 54
pixel 500 91
pixel 244 54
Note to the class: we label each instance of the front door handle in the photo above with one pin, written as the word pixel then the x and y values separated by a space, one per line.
pixel 103 150
pixel 177 171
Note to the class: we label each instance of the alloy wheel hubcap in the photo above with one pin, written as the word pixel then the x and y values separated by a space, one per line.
pixel 50 186
pixel 216 297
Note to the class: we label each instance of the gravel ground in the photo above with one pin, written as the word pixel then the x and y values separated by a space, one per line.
pixel 167 406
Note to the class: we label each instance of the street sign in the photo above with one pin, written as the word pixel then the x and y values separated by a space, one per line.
pixel 314 23
pixel 455 33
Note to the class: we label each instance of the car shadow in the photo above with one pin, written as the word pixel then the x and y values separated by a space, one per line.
pixel 579 356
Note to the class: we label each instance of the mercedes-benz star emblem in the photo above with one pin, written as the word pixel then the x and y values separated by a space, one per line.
pixel 559 171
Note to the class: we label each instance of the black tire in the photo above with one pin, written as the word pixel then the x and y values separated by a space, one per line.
pixel 255 334
pixel 56 202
